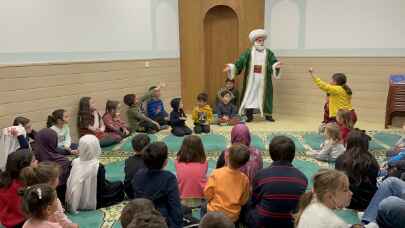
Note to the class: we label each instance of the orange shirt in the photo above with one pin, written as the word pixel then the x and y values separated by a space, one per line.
pixel 227 190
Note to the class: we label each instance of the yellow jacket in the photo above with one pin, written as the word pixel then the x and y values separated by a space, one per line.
pixel 202 115
pixel 338 97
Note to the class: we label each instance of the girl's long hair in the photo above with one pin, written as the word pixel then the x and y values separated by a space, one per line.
pixel 84 117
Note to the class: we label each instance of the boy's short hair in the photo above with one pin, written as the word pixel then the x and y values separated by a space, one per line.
pixel 225 92
pixel 216 219
pixel 152 219
pixel 129 99
pixel 133 208
pixel 238 155
pixel 202 97
pixel 152 88
pixel 140 141
pixel 155 155
pixel 282 148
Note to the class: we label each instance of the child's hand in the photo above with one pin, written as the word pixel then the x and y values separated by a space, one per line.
pixel 13 132
pixel 74 152
pixel 225 117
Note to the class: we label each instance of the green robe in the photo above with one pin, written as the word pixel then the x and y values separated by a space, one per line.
pixel 244 63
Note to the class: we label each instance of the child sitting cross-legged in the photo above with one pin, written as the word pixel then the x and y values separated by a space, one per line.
pixel 227 189
pixel 227 112
pixel 202 114
pixel 178 119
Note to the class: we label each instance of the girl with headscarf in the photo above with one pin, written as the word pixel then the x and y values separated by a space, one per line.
pixel 88 177
pixel 240 134
pixel 46 149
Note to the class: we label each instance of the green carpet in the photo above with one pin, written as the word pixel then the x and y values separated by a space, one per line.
pixel 114 156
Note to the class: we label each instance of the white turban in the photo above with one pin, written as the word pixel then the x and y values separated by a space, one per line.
pixel 256 34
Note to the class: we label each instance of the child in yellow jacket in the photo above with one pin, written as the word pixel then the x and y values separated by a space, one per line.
pixel 202 114
pixel 340 94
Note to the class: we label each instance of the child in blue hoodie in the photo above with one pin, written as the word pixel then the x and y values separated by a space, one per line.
pixel 155 108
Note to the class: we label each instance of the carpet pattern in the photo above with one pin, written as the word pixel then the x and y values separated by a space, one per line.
pixel 113 158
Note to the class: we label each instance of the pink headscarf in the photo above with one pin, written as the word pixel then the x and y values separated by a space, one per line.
pixel 240 134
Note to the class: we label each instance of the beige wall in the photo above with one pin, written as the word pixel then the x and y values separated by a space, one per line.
pixel 36 90
pixel 296 95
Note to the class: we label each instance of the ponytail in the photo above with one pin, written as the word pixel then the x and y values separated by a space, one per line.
pixel 340 79
pixel 56 115
pixel 50 122
pixel 305 200
pixel 347 89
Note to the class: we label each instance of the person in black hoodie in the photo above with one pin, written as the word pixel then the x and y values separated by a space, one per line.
pixel 178 119
pixel 158 185
pixel 227 112
pixel 135 162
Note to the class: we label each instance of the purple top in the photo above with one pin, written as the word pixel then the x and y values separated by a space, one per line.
pixel 46 143
pixel 241 134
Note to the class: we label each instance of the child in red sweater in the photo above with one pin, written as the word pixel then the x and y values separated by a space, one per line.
pixel 11 214
pixel 344 119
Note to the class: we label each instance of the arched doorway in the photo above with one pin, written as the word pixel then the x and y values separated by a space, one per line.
pixel 220 46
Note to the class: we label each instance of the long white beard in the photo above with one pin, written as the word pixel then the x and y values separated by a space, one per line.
pixel 259 47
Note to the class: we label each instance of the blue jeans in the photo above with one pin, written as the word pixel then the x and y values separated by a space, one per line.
pixel 392 186
pixel 391 213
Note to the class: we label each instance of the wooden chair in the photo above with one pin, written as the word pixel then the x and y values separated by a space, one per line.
pixel 395 98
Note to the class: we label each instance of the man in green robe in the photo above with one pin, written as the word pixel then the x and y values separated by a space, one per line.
pixel 259 64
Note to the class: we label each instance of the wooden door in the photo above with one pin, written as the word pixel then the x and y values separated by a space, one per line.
pixel 220 46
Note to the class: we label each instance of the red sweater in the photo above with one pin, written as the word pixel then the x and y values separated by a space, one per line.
pixel 10 205
pixel 344 133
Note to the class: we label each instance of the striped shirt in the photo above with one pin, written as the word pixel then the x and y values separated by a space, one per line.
pixel 276 192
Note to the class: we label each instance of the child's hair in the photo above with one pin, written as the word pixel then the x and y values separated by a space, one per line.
pixel 133 208
pixel 152 88
pixel 111 107
pixel 225 92
pixel 140 141
pixel 357 160
pixel 155 155
pixel 129 99
pixel 332 131
pixel 192 150
pixel 238 155
pixel 44 173
pixel 84 118
pixel 340 79
pixel 16 161
pixel 20 120
pixel 325 180
pixel 346 117
pixel 230 80
pixel 54 117
pixel 153 219
pixel 36 200
pixel 216 219
pixel 175 104
pixel 202 97
pixel 282 148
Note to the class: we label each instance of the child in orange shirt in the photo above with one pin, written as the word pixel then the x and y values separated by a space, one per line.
pixel 227 189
